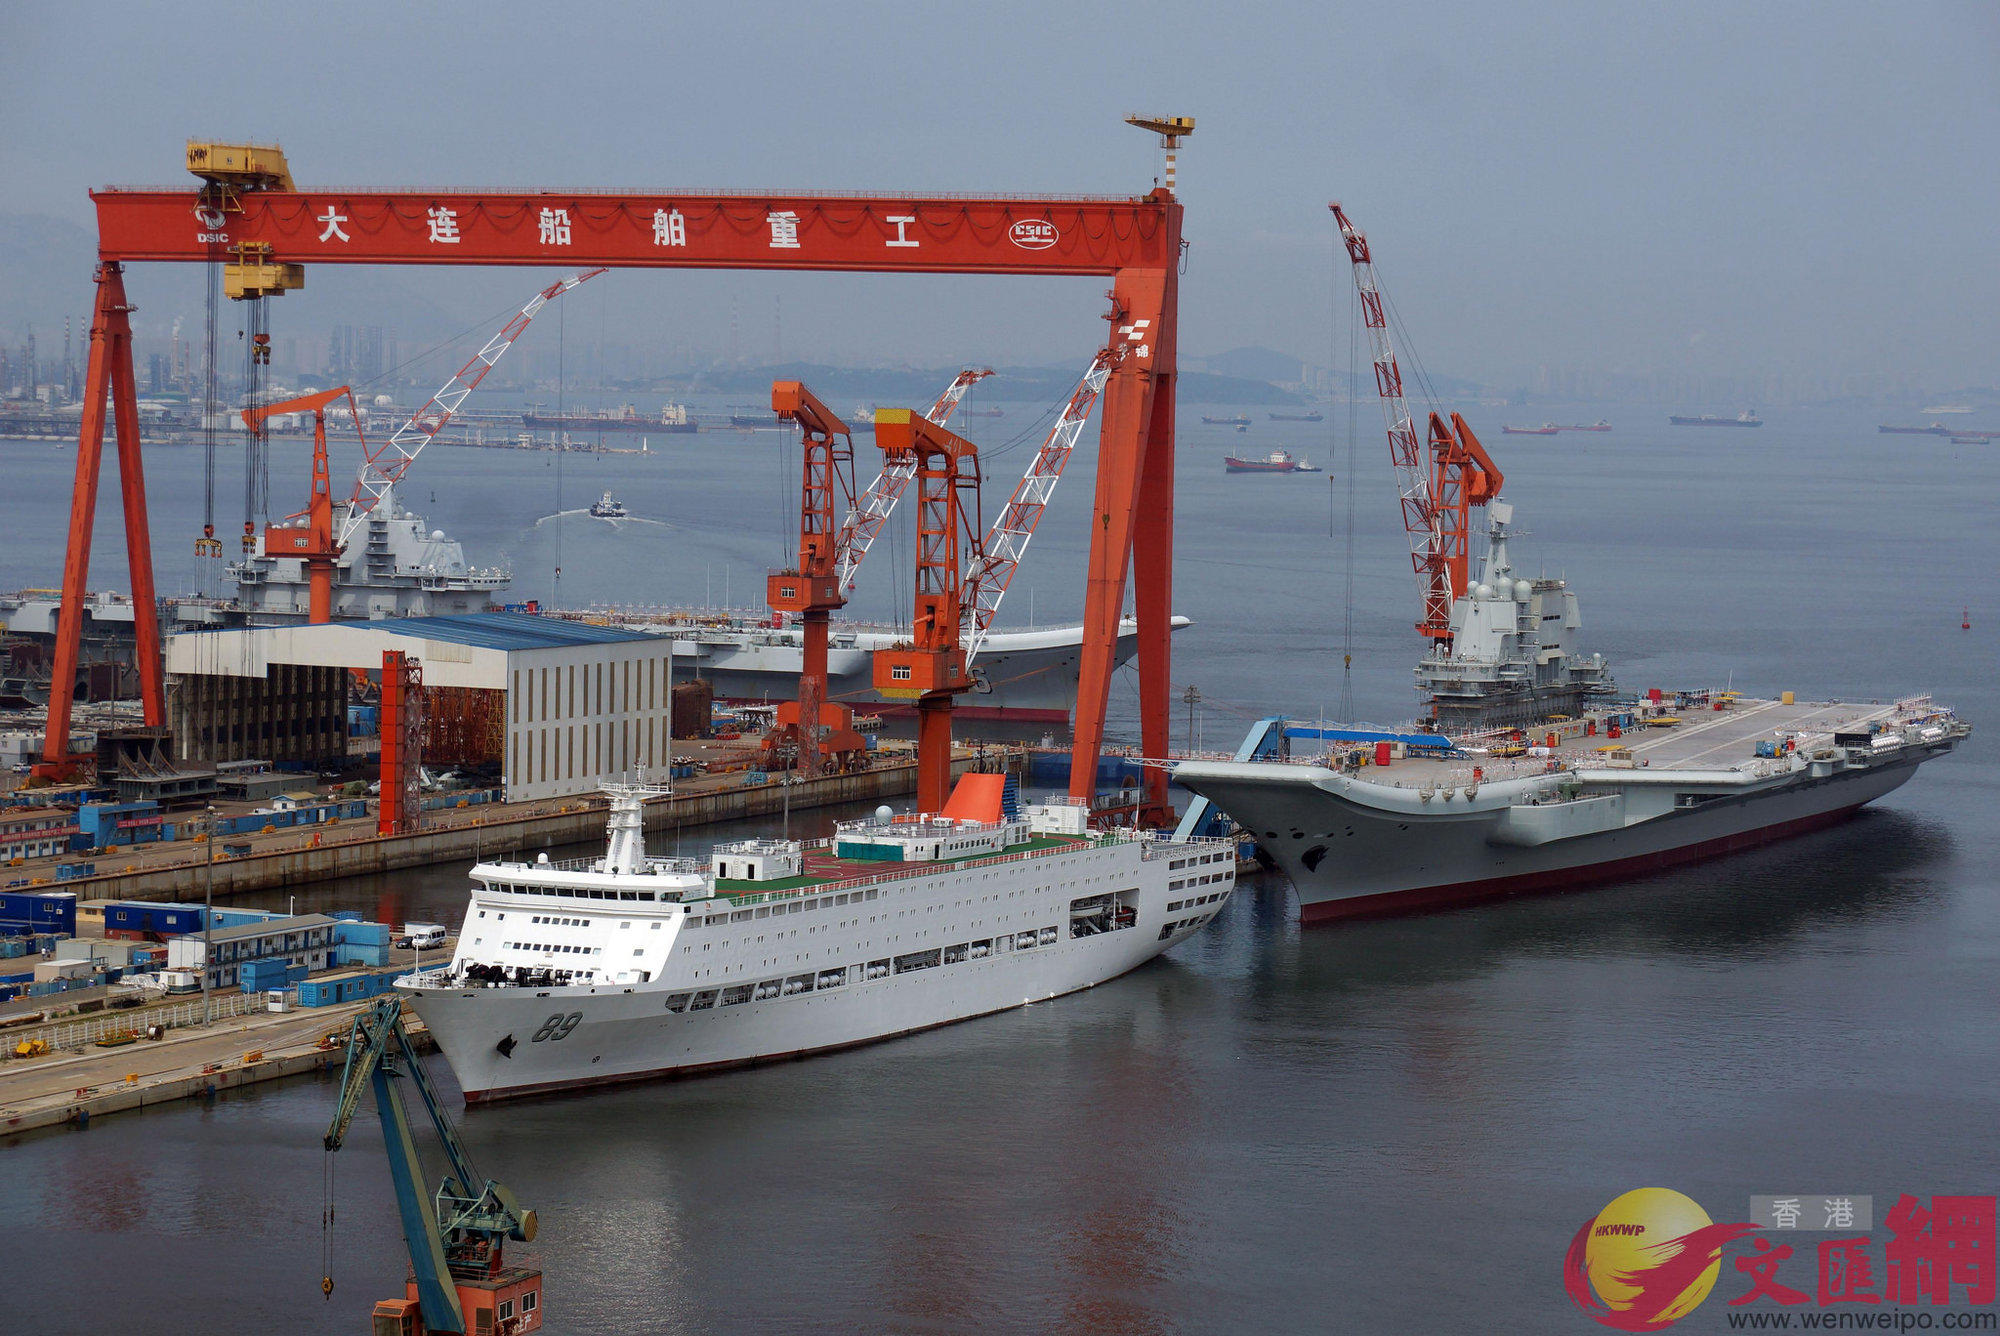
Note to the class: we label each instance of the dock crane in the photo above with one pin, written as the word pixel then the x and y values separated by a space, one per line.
pixel 828 558
pixel 455 1234
pixel 930 668
pixel 1438 500
pixel 867 515
pixel 309 533
pixel 811 589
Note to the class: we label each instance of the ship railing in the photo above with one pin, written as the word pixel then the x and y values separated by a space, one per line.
pixel 654 866
pixel 892 872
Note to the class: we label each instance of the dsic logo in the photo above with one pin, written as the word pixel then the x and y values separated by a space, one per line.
pixel 211 221
pixel 1033 234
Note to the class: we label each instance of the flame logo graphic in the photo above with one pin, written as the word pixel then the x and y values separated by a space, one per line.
pixel 1647 1260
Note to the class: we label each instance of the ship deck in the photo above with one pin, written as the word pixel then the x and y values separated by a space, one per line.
pixel 825 871
pixel 1701 738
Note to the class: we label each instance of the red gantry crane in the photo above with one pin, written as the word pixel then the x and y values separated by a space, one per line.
pixel 1438 499
pixel 931 667
pixel 267 229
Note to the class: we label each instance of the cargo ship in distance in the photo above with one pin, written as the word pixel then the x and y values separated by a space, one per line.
pixel 1546 429
pixel 1278 461
pixel 1240 420
pixel 627 967
pixel 1605 791
pixel 1296 417
pixel 1747 418
pixel 673 420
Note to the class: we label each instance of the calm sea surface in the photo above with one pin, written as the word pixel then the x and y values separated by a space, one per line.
pixel 1380 1127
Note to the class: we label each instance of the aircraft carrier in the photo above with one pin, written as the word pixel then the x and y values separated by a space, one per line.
pixel 1535 777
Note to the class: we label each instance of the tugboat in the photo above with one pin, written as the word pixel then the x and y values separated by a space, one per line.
pixel 608 507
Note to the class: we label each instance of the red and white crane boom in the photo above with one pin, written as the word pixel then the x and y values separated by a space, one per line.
pixel 1437 500
pixel 865 518
pixel 388 462
pixel 1405 451
pixel 1007 541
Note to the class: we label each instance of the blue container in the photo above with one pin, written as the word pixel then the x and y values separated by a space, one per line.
pixel 26 913
pixel 146 918
pixel 362 954
pixel 330 990
pixel 236 918
pixel 344 916
pixel 361 934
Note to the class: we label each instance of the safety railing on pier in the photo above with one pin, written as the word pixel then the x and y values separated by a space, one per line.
pixel 81 1033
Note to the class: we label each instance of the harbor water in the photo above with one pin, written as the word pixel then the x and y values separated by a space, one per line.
pixel 1388 1126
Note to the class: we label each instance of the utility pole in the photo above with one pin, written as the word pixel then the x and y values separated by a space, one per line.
pixel 208 922
pixel 1193 698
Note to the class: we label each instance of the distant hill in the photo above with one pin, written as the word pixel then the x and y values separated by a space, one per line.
pixel 1252 364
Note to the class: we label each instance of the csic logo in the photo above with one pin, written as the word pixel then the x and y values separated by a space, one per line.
pixel 1647 1260
pixel 1034 234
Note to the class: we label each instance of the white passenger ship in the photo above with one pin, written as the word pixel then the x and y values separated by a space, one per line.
pixel 625 967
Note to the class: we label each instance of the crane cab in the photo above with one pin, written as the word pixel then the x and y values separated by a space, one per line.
pixel 507 1303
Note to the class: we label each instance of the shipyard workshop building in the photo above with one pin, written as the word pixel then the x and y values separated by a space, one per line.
pixel 558 707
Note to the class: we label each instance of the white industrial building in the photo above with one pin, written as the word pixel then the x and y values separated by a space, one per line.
pixel 581 704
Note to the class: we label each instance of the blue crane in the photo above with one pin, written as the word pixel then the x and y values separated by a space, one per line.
pixel 454 1234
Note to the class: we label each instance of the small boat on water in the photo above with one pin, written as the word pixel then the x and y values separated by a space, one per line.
pixel 1278 461
pixel 1546 429
pixel 608 507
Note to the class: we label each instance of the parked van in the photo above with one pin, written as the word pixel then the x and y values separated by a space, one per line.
pixel 422 936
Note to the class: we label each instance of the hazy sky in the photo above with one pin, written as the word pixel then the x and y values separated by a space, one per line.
pixel 1802 188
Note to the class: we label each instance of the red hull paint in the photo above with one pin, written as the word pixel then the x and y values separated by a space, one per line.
pixel 1532 883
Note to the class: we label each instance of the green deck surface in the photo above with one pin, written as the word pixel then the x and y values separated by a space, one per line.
pixel 852 869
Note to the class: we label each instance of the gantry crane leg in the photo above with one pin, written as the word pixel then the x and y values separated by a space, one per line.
pixel 1143 303
pixel 109 380
pixel 1152 600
